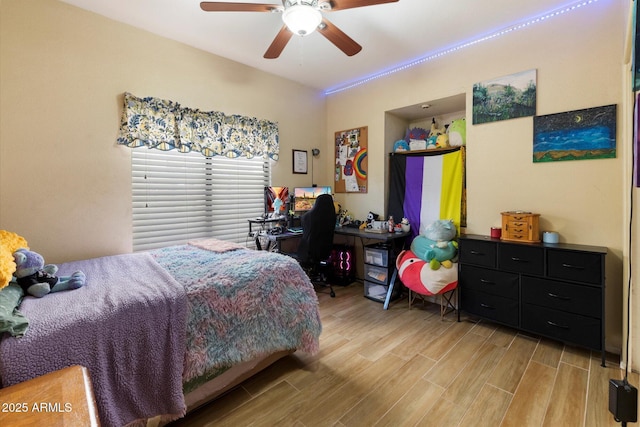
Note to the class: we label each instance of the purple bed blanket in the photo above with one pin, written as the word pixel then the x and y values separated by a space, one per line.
pixel 126 325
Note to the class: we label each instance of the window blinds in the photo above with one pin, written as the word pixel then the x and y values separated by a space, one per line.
pixel 178 197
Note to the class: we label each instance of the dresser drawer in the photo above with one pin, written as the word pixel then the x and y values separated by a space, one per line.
pixel 581 330
pixel 584 300
pixel 521 259
pixel 576 266
pixel 477 252
pixel 492 307
pixel 517 230
pixel 490 281
pixel 516 237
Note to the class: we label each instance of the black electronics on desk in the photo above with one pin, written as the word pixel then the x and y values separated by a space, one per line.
pixel 305 197
pixel 276 230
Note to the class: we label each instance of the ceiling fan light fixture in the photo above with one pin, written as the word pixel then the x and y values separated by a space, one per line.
pixel 302 19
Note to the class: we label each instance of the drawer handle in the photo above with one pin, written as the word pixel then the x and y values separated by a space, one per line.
pixel 549 322
pixel 487 282
pixel 476 253
pixel 487 306
pixel 516 259
pixel 575 267
pixel 559 297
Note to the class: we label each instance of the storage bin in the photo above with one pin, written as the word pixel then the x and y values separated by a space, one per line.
pixel 376 254
pixel 375 291
pixel 375 274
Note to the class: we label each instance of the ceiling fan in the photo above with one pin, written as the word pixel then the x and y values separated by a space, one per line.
pixel 301 17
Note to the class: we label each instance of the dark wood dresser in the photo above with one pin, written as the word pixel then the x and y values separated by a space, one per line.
pixel 553 290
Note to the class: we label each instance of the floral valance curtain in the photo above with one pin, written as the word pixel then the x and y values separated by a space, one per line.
pixel 165 125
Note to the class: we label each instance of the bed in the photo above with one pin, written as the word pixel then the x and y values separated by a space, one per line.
pixel 167 330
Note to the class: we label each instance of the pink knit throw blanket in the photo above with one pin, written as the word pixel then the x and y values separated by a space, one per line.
pixel 216 245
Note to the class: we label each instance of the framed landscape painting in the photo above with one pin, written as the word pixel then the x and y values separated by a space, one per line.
pixel 575 135
pixel 504 98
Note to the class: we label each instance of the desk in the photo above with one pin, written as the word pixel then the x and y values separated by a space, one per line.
pixel 275 240
pixel 263 221
pixel 362 235
pixel 349 232
pixel 267 224
pixel 60 398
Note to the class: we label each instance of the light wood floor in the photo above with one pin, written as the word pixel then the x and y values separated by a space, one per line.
pixel 404 367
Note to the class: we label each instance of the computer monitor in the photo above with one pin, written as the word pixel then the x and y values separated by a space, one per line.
pixel 270 195
pixel 305 197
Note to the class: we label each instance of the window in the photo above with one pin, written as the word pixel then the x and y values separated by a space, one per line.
pixel 178 197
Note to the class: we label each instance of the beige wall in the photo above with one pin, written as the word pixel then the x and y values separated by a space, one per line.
pixel 64 184
pixel 578 57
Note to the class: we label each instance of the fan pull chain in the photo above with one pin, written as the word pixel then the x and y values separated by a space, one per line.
pixel 301 51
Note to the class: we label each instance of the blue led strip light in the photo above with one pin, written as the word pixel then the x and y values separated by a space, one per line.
pixel 543 17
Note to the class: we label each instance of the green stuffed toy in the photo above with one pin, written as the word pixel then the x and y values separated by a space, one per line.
pixel 38 279
pixel 436 245
pixel 457 132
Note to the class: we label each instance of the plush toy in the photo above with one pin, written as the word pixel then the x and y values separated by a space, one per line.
pixel 372 217
pixel 436 244
pixel 38 279
pixel 343 216
pixel 417 144
pixel 367 223
pixel 277 207
pixel 442 141
pixel 432 142
pixel 458 132
pixel 417 138
pixel 400 145
pixel 436 138
pixel 9 243
pixel 416 134
pixel 435 130
pixel 416 275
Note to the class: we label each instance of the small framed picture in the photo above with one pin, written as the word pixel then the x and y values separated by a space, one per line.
pixel 299 161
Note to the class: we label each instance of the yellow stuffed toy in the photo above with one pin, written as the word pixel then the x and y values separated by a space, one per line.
pixel 9 243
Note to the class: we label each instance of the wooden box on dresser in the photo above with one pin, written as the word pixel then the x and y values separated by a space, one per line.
pixel 554 290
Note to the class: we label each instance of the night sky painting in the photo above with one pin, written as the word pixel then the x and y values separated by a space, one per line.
pixel 575 135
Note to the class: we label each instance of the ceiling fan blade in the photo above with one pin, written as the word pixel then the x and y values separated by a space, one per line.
pixel 278 44
pixel 215 6
pixel 350 4
pixel 339 38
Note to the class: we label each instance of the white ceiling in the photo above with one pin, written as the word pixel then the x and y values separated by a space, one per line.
pixel 390 34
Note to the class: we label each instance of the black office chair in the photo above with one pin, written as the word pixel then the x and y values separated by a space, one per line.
pixel 314 250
